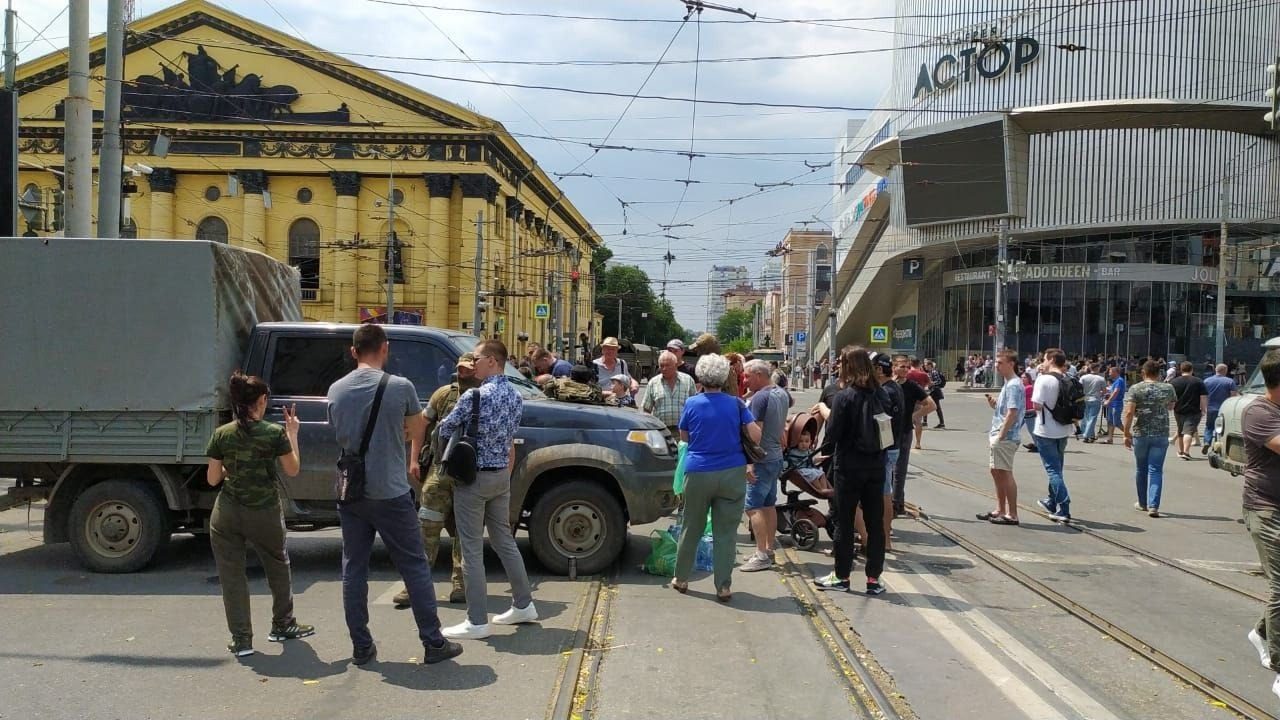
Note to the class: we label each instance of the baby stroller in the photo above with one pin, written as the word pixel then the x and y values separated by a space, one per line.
pixel 799 517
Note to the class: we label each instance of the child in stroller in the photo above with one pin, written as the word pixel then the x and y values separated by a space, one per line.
pixel 797 517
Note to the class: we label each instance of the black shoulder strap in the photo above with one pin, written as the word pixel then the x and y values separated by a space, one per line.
pixel 373 414
pixel 474 425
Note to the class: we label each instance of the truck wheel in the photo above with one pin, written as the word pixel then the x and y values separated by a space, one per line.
pixel 579 520
pixel 117 526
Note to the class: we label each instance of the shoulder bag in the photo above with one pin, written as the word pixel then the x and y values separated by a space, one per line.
pixel 350 481
pixel 750 447
pixel 459 460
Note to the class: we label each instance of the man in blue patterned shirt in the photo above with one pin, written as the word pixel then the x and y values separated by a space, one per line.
pixel 487 501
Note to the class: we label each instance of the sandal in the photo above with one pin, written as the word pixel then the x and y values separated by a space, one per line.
pixel 987 515
pixel 680 587
pixel 1004 520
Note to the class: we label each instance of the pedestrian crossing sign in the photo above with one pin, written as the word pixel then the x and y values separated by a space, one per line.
pixel 542 311
pixel 879 334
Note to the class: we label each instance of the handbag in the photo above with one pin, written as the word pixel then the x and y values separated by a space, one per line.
pixel 459 459
pixel 750 447
pixel 350 481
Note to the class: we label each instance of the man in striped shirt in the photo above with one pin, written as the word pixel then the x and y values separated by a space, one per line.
pixel 666 392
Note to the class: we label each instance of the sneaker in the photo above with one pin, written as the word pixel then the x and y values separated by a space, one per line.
pixel 401 600
pixel 458 595
pixel 757 562
pixel 241 647
pixel 432 655
pixel 1139 507
pixel 1047 504
pixel 516 616
pixel 466 631
pixel 939 426
pixel 1204 449
pixel 1261 646
pixel 831 582
pixel 292 631
pixel 1275 686
pixel 874 587
pixel 1060 517
pixel 1155 512
pixel 364 656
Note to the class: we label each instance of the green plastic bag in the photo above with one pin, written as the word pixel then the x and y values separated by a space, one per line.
pixel 662 554
pixel 678 484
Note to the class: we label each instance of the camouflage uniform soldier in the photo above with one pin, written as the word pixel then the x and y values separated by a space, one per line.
pixel 436 511
pixel 579 387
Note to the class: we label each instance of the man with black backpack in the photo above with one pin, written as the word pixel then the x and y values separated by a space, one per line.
pixel 1059 401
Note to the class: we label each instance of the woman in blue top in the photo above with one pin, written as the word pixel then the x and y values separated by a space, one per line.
pixel 715 467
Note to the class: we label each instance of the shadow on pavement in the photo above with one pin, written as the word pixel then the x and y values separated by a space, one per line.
pixel 299 660
pixel 140 661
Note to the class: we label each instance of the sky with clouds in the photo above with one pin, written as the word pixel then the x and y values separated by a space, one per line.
pixel 745 146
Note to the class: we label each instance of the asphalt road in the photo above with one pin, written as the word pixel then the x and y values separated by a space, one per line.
pixel 953 637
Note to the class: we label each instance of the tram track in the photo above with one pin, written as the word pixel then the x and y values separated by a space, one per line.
pixel 1100 536
pixel 577 683
pixel 1208 686
pixel 865 681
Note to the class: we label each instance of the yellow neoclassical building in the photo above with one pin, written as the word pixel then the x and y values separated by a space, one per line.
pixel 258 139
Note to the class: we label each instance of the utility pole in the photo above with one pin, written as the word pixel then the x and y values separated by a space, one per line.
pixel 9 222
pixel 393 243
pixel 481 305
pixel 619 317
pixel 831 305
pixel 78 136
pixel 575 278
pixel 1002 271
pixel 111 155
pixel 1220 319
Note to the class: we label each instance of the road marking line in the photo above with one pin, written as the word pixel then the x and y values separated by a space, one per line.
pixel 1248 568
pixel 386 597
pixel 1052 559
pixel 1073 695
pixel 1021 695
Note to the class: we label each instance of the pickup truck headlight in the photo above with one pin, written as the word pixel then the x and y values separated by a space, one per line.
pixel 1219 426
pixel 653 438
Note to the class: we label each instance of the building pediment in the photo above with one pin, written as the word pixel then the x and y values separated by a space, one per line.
pixel 196 63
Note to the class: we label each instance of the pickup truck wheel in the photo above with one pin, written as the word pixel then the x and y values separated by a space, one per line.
pixel 117 526
pixel 579 520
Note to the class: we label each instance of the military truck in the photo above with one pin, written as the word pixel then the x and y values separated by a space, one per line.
pixel 116 365
pixel 1227 450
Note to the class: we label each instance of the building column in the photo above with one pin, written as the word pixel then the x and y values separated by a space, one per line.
pixel 479 193
pixel 254 224
pixel 346 280
pixel 439 267
pixel 163 182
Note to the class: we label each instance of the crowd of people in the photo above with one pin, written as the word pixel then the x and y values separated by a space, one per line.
pixel 732 412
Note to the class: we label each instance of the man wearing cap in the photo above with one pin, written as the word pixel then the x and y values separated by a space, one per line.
pixel 609 364
pixel 436 510
pixel 676 348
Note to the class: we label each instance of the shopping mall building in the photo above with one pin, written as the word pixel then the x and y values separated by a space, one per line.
pixel 1109 140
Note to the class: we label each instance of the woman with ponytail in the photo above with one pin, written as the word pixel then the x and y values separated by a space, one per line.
pixel 242 460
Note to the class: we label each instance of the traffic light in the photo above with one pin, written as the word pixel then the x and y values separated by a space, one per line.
pixel 1273 95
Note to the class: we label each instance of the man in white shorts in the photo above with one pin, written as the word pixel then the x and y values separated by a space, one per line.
pixel 1003 439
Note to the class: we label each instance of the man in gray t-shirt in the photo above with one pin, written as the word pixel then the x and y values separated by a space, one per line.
pixel 350 400
pixel 387 507
pixel 769 405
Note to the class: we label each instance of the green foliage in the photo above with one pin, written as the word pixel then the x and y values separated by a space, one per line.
pixel 742 346
pixel 733 325
pixel 630 284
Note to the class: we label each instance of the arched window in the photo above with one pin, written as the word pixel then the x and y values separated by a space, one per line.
pixel 304 251
pixel 212 228
pixel 823 254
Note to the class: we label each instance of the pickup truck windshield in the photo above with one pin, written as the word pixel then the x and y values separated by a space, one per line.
pixel 527 390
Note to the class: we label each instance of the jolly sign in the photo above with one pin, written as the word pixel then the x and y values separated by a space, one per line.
pixel 989 61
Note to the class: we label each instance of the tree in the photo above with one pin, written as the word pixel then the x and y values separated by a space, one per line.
pixel 644 317
pixel 742 346
pixel 733 325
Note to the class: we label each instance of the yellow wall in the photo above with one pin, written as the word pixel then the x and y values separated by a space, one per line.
pixel 438 237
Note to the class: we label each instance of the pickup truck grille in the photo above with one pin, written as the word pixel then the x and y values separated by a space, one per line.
pixel 1235 448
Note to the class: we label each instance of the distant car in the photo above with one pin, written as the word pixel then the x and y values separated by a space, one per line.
pixel 1227 450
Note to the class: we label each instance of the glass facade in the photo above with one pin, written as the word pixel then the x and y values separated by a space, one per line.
pixel 1112 318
